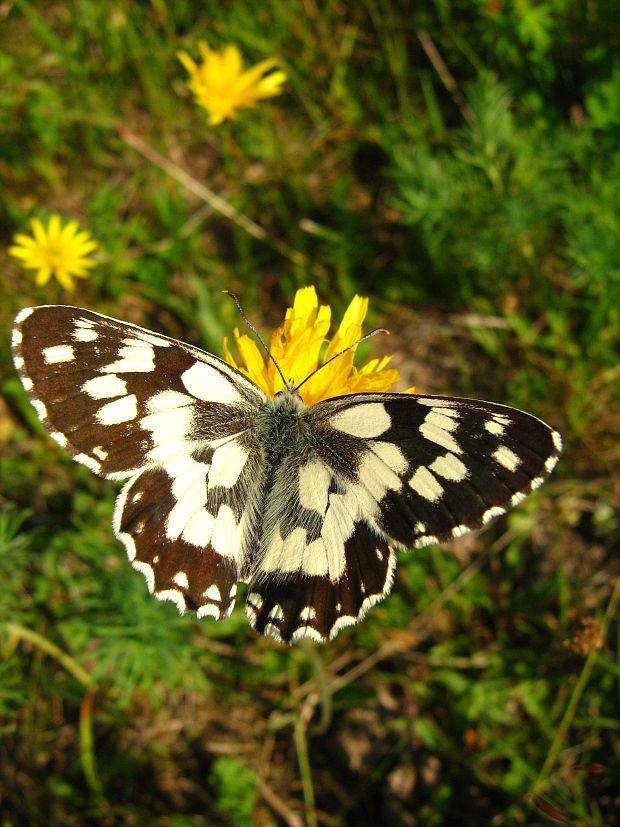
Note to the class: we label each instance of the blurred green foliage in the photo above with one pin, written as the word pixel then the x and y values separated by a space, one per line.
pixel 459 162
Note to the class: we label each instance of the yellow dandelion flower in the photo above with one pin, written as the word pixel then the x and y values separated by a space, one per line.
pixel 221 86
pixel 297 344
pixel 57 251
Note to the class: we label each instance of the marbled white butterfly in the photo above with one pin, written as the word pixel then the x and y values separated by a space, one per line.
pixel 306 504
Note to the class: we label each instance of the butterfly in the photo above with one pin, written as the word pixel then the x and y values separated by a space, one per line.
pixel 306 504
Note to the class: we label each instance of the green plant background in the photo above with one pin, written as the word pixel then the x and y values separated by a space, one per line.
pixel 458 162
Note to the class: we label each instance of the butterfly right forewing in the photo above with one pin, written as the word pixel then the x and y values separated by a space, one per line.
pixel 128 402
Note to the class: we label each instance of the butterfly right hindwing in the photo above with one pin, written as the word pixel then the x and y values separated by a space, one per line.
pixel 383 469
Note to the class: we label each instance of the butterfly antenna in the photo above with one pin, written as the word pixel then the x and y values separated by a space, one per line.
pixel 254 331
pixel 350 347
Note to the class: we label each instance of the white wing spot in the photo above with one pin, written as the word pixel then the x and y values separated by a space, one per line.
pixel 376 477
pixel 256 600
pixel 326 555
pixel 16 337
pixel 169 424
pixel 365 421
pixel 180 579
pixel 227 535
pixel 23 314
pixel 427 540
pixel 199 528
pixel 450 468
pixel 148 573
pixel 227 464
pixel 557 441
pixel 175 597
pixel 425 484
pixel 288 555
pixel 152 339
pixel 18 362
pixel 314 480
pixel 208 610
pixel 124 409
pixel 133 359
pixel 391 455
pixel 89 462
pixel 82 333
pixel 100 453
pixel 27 383
pixel 459 530
pixel 436 403
pixel 550 464
pixel 507 458
pixel 213 593
pixel 273 632
pixel 276 613
pixel 437 427
pixel 208 384
pixel 59 438
pixel 167 400
pixel 492 513
pixel 420 528
pixel 57 354
pixel 503 420
pixel 307 631
pixel 494 427
pixel 517 498
pixel 307 613
pixel 39 408
pixel 190 493
pixel 105 387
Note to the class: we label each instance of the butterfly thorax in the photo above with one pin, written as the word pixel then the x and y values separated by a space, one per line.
pixel 281 426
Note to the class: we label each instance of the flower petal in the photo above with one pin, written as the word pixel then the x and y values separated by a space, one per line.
pixel 296 345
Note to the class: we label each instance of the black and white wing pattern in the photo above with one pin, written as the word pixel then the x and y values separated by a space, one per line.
pixel 306 504
pixel 127 402
pixel 384 470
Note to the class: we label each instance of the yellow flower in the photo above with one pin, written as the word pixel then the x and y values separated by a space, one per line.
pixel 296 346
pixel 222 87
pixel 56 251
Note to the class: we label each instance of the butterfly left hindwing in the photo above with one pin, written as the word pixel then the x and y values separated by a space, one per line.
pixel 226 484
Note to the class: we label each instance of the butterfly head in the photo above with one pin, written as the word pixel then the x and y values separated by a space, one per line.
pixel 289 389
